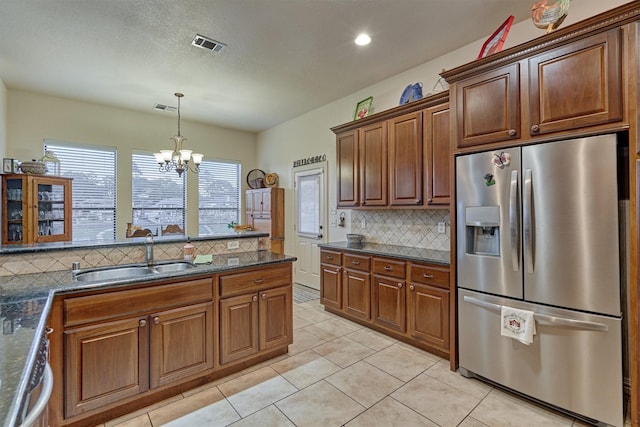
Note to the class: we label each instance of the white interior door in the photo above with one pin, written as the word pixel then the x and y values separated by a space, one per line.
pixel 310 222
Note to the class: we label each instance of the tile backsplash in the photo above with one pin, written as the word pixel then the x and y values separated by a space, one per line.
pixel 57 260
pixel 410 227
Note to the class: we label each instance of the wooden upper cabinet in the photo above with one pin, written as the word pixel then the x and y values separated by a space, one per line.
pixel 347 168
pixel 488 107
pixel 372 147
pixel 437 147
pixel 576 85
pixel 405 159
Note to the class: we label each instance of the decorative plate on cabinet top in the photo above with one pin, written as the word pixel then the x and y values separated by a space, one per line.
pixel 271 179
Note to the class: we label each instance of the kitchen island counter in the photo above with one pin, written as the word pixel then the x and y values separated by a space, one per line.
pixel 25 302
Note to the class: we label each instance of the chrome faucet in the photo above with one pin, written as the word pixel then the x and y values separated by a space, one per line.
pixel 148 249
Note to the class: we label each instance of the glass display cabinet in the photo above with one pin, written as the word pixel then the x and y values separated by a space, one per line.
pixel 35 208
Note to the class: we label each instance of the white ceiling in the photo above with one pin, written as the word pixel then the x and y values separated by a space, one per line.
pixel 284 57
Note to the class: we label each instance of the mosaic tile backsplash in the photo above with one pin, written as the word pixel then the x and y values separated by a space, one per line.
pixel 48 261
pixel 415 228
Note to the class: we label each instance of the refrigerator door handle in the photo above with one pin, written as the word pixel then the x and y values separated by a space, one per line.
pixel 528 219
pixel 544 318
pixel 513 221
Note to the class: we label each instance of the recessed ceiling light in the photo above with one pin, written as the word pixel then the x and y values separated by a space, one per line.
pixel 363 39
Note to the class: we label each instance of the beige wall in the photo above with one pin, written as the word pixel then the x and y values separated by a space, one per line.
pixel 33 117
pixel 309 133
pixel 3 119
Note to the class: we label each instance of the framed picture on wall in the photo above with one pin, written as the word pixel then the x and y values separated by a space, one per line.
pixel 496 41
pixel 8 165
pixel 363 108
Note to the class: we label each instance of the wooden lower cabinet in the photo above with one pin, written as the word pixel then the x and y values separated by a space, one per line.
pixel 356 297
pixel 238 327
pixel 119 349
pixel 389 303
pixel 404 299
pixel 181 343
pixel 428 315
pixel 255 322
pixel 105 363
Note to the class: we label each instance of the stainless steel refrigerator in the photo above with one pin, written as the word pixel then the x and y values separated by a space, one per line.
pixel 538 230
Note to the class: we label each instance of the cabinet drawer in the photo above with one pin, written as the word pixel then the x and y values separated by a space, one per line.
pixel 389 267
pixel 252 281
pixel 330 257
pixel 356 262
pixel 94 308
pixel 430 275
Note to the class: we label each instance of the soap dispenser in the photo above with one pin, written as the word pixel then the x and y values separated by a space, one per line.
pixel 188 250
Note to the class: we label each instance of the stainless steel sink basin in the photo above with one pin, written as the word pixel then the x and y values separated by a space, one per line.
pixel 113 273
pixel 128 272
pixel 174 266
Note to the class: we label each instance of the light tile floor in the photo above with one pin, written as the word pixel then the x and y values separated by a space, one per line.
pixel 338 373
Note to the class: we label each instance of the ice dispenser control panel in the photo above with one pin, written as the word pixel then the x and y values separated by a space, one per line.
pixel 483 230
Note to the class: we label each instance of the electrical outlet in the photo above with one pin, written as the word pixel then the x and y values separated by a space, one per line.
pixel 234 244
pixel 441 228
pixel 233 261
pixel 363 224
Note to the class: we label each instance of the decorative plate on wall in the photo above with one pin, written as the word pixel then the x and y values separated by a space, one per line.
pixel 271 180
pixel 255 178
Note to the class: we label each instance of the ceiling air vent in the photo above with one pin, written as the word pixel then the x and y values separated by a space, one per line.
pixel 162 107
pixel 207 43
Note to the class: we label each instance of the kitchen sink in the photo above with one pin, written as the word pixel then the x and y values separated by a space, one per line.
pixel 113 273
pixel 174 266
pixel 128 272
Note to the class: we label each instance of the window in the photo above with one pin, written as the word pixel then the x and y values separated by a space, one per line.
pixel 158 197
pixel 93 189
pixel 219 191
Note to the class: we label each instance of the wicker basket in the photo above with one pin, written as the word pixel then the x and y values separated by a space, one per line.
pixel 36 168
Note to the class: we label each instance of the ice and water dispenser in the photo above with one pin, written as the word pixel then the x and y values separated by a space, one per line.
pixel 483 230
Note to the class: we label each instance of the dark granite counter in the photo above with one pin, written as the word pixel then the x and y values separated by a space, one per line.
pixel 392 251
pixel 25 302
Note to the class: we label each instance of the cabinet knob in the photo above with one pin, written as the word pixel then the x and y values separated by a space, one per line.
pixel 264 296
pixel 512 132
pixel 399 285
pixel 255 298
pixel 329 256
pixel 535 128
pixel 143 323
pixel 354 262
pixel 427 276
pixel 387 268
pixel 156 320
pixel 412 287
pixel 258 281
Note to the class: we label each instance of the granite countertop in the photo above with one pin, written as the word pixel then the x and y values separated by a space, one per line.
pixel 392 251
pixel 25 302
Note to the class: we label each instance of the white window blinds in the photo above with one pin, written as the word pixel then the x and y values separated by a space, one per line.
pixel 219 194
pixel 158 198
pixel 93 190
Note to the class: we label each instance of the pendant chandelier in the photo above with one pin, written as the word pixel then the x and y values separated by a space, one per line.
pixel 178 159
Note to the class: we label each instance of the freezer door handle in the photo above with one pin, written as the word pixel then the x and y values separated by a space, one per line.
pixel 544 318
pixel 528 221
pixel 514 225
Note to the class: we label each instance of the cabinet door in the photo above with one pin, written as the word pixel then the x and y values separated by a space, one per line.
pixel 347 168
pixel 577 85
pixel 389 302
pixel 374 168
pixel 276 323
pixel 330 286
pixel 437 146
pixel 488 107
pixel 405 159
pixel 181 343
pixel 15 210
pixel 238 327
pixel 51 201
pixel 105 363
pixel 429 315
pixel 356 297
pixel 265 207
